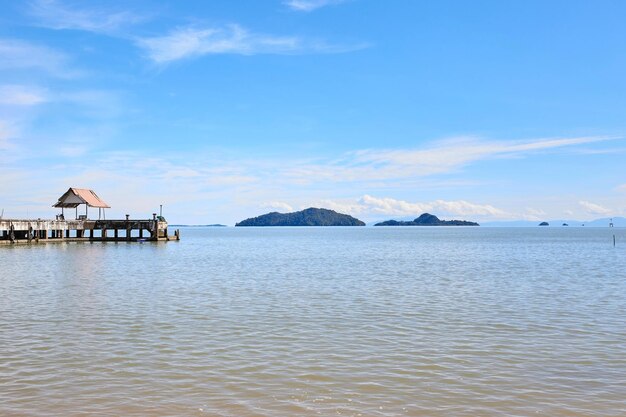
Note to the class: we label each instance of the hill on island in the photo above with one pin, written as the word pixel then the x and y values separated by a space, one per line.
pixel 308 217
pixel 427 219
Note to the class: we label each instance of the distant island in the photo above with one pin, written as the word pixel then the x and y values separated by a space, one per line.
pixel 309 217
pixel 427 219
pixel 544 224
pixel 601 222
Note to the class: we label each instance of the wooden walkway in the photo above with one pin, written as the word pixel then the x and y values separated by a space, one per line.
pixel 48 231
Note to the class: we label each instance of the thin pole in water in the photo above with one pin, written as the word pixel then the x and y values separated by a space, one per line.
pixel 613 240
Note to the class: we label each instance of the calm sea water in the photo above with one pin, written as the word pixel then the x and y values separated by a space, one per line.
pixel 318 321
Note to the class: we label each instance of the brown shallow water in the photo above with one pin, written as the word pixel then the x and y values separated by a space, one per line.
pixel 318 321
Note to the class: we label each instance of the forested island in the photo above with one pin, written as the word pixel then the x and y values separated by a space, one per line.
pixel 309 217
pixel 427 219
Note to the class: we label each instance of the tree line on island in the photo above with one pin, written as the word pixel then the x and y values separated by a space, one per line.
pixel 324 217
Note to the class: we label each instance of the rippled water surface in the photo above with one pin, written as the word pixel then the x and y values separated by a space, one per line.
pixel 318 321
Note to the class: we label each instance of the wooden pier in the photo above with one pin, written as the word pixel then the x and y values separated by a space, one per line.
pixel 48 231
pixel 83 229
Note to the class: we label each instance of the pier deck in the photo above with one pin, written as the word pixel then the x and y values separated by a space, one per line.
pixel 84 230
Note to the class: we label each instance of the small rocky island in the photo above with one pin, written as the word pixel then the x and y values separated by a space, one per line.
pixel 427 219
pixel 308 217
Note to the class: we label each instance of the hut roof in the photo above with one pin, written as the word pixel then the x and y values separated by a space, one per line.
pixel 77 196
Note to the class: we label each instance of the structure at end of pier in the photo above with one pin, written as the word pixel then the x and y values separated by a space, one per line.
pixel 83 229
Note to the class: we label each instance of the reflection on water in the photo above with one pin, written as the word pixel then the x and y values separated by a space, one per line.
pixel 318 321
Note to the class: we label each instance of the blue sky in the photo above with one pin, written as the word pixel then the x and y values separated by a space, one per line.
pixel 222 110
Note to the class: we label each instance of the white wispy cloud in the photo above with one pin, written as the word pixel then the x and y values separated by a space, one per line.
pixel 82 120
pixel 603 151
pixel 20 55
pixel 94 103
pixel 197 182
pixel 277 206
pixel 593 208
pixel 7 132
pixel 458 152
pixel 356 170
pixel 533 214
pixel 309 5
pixel 20 95
pixel 73 151
pixel 54 14
pixel 374 206
pixel 192 42
pixel 621 188
pixel 445 157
